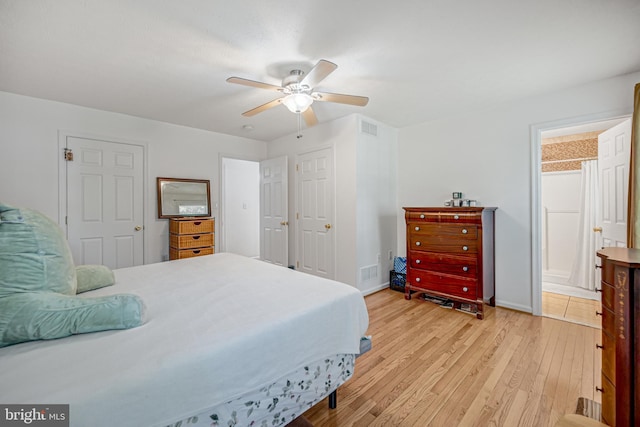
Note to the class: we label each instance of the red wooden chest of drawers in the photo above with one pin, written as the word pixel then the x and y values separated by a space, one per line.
pixel 450 254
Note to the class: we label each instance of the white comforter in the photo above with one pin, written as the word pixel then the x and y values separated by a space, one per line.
pixel 218 326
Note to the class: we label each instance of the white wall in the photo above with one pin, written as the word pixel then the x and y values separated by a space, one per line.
pixel 487 155
pixel 241 205
pixel 365 205
pixel 339 134
pixel 560 200
pixel 376 205
pixel 29 155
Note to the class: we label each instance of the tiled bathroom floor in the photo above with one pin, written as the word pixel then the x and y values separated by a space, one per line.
pixel 571 309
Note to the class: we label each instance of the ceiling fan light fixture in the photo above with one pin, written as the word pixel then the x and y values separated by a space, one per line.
pixel 297 102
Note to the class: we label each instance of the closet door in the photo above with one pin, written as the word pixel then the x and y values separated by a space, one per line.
pixel 315 213
pixel 104 217
pixel 274 211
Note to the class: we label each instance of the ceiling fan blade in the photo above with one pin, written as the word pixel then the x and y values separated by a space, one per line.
pixel 360 101
pixel 263 107
pixel 309 117
pixel 318 73
pixel 253 83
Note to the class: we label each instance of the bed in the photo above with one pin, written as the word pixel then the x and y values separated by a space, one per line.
pixel 228 340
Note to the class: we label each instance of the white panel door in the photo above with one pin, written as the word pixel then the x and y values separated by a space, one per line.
pixel 105 202
pixel 613 169
pixel 315 213
pixel 274 236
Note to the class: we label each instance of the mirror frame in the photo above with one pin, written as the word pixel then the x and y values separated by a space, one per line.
pixel 160 181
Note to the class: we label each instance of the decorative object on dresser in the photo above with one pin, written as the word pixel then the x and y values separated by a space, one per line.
pixel 191 237
pixel 620 336
pixel 450 254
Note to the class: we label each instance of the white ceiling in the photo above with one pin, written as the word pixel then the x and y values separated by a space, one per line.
pixel 417 60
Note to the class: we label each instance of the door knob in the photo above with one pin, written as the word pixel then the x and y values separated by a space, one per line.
pixel 327 226
pixel 138 228
pixel 284 222
pixel 597 229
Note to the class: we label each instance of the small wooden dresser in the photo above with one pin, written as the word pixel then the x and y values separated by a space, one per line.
pixel 191 237
pixel 450 254
pixel 620 336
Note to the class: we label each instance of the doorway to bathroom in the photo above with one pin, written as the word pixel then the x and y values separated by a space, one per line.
pixel 584 177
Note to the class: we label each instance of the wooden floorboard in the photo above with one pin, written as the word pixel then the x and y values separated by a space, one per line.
pixel 431 366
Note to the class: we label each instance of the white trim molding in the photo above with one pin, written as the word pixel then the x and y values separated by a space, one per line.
pixel 536 130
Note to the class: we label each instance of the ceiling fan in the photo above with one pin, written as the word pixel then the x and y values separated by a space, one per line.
pixel 297 89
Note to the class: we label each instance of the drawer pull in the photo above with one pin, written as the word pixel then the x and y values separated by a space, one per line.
pixel 197 223
pixel 465 268
pixel 456 217
pixel 465 248
pixel 598 346
pixel 195 237
pixel 417 279
pixel 417 243
pixel 598 313
pixel 601 390
pixel 465 289
pixel 598 290
pixel 421 216
pixel 417 228
pixel 196 252
pixel 464 231
pixel 418 261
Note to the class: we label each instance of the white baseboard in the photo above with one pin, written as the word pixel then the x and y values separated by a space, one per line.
pixel 512 306
pixel 572 291
pixel 555 277
pixel 375 289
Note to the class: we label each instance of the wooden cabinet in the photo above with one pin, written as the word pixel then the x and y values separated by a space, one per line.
pixel 450 254
pixel 191 237
pixel 620 330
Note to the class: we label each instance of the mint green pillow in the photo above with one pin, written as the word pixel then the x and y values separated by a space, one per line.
pixel 92 277
pixel 46 315
pixel 38 284
pixel 34 255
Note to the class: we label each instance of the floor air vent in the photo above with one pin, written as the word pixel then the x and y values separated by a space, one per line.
pixel 368 273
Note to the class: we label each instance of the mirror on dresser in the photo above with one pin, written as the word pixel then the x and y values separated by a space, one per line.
pixel 179 197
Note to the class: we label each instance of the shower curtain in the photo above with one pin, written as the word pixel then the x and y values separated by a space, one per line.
pixel 583 272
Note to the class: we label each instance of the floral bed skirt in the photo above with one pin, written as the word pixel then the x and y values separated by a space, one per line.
pixel 282 401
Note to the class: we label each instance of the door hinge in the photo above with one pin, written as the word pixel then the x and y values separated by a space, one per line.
pixel 68 155
pixel 66 220
pixel 297 215
pixel 297 264
pixel 297 167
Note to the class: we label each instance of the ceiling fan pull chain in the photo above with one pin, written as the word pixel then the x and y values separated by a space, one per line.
pixel 299 135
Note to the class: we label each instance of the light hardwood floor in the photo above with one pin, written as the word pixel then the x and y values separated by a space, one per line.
pixel 431 366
